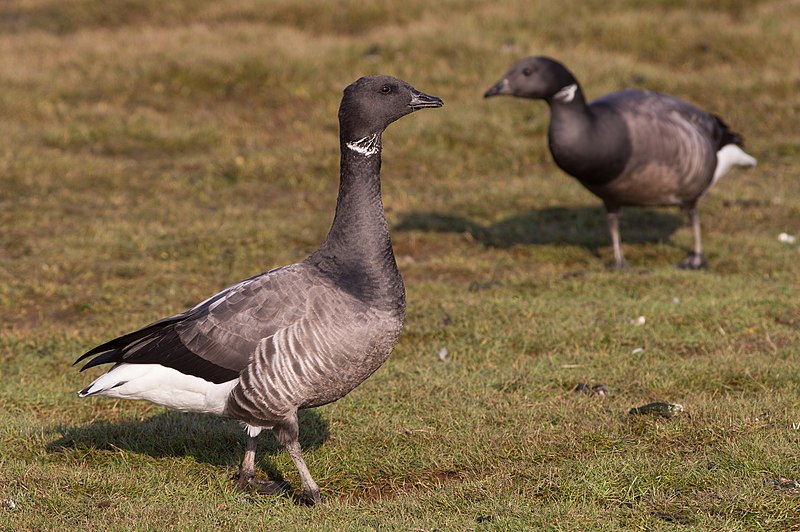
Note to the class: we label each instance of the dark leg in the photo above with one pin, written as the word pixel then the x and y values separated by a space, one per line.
pixel 287 433
pixel 613 226
pixel 246 478
pixel 696 259
pixel 247 471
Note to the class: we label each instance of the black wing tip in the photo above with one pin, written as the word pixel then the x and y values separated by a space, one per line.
pixel 732 137
pixel 728 136
pixel 82 357
pixel 122 342
pixel 89 353
pixel 104 358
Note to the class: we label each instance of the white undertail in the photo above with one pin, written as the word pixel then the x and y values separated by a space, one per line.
pixel 163 386
pixel 729 156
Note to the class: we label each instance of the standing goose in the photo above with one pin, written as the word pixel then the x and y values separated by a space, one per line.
pixel 294 337
pixel 632 147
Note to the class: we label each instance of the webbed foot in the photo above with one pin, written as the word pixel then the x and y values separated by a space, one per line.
pixel 249 483
pixel 693 261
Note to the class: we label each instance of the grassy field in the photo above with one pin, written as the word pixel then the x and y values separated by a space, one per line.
pixel 154 152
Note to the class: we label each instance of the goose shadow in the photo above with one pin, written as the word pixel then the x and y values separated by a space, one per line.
pixel 204 437
pixel 579 226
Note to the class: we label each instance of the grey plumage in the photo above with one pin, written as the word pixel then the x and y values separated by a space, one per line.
pixel 294 337
pixel 632 147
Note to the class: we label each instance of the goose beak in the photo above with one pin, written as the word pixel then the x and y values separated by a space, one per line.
pixel 420 100
pixel 501 87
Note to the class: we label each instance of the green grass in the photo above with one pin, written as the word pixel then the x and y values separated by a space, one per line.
pixel 153 153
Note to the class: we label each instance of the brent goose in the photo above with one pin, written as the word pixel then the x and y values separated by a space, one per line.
pixel 632 147
pixel 294 337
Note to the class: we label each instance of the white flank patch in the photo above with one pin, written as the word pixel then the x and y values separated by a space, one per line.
pixel 367 146
pixel 163 386
pixel 566 94
pixel 251 430
pixel 729 156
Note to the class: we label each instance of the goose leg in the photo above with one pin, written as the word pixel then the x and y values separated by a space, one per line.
pixel 247 471
pixel 246 477
pixel 696 259
pixel 287 434
pixel 613 226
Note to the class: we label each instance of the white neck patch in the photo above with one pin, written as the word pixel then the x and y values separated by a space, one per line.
pixel 566 94
pixel 367 146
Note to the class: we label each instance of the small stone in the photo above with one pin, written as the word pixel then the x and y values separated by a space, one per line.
pixel 787 483
pixel 8 503
pixel 658 409
pixel 641 320
pixel 676 300
pixel 786 238
pixel 443 354
pixel 784 484
pixel 582 388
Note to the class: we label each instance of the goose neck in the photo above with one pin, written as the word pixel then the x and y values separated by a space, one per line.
pixel 359 232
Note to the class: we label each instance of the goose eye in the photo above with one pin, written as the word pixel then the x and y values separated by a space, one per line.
pixel 527 71
pixel 386 89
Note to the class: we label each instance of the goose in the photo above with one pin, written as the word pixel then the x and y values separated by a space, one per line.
pixel 294 337
pixel 631 147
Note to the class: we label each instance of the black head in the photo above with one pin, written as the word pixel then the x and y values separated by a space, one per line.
pixel 371 103
pixel 536 78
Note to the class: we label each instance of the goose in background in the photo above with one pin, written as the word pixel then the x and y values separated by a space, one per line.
pixel 632 147
pixel 294 337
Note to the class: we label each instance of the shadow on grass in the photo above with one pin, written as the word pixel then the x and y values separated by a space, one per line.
pixel 579 226
pixel 206 438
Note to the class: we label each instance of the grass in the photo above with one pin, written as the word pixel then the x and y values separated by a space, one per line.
pixel 153 154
